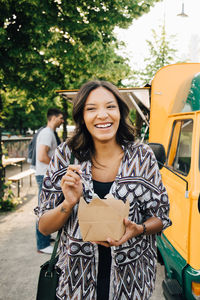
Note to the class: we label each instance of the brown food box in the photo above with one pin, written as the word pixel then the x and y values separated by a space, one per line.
pixel 102 218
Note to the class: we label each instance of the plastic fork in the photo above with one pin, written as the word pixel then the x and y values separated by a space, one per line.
pixel 86 184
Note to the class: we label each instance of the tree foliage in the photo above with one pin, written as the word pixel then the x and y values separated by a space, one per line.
pixel 58 44
pixel 161 52
pixel 55 44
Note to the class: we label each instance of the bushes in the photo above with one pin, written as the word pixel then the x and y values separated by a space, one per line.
pixel 9 200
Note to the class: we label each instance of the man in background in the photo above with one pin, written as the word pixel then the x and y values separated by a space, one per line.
pixel 46 143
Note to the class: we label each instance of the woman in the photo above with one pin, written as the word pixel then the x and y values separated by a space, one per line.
pixel 107 157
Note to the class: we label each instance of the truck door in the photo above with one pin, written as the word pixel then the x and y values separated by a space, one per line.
pixel 179 160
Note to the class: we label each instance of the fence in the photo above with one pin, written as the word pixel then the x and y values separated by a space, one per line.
pixel 16 146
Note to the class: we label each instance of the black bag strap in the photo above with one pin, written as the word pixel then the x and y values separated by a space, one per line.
pixel 53 255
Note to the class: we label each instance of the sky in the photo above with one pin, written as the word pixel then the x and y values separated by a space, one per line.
pixel 185 29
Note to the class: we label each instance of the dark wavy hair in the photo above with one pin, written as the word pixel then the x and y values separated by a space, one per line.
pixel 81 143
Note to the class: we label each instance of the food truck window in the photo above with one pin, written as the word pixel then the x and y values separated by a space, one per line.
pixel 179 153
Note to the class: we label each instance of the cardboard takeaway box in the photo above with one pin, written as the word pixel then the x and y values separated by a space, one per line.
pixel 102 218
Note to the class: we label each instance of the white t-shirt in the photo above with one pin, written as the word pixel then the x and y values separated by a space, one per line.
pixel 45 137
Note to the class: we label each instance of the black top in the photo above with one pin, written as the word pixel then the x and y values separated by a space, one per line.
pixel 103 279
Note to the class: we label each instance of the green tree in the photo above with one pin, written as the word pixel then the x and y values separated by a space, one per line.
pixel 21 113
pixel 56 44
pixel 161 52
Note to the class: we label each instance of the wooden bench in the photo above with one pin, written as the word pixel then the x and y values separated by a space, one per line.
pixel 20 176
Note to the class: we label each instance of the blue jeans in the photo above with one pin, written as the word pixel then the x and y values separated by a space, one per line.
pixel 43 241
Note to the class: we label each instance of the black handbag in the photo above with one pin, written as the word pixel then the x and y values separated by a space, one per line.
pixel 49 276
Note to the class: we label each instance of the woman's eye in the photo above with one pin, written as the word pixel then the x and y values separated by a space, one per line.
pixel 90 108
pixel 112 106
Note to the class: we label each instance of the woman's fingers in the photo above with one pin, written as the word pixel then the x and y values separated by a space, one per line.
pixel 74 168
pixel 72 176
pixel 117 243
pixel 127 235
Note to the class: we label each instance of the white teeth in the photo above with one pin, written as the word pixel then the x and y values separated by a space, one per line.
pixel 103 125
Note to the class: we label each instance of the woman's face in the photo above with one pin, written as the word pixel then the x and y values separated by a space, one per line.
pixel 101 115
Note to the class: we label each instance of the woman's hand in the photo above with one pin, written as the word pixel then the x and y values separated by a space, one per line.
pixel 132 230
pixel 153 225
pixel 72 186
pixel 72 189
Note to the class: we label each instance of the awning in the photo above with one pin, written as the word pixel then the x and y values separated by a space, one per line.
pixel 136 98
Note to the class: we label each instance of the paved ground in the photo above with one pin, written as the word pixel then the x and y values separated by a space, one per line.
pixel 19 261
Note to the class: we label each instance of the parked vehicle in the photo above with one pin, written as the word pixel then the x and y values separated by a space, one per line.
pixel 175 124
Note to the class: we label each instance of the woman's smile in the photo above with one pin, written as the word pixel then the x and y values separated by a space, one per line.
pixel 104 125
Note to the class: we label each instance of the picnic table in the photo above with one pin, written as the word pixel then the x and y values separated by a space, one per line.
pixel 17 178
pixel 12 161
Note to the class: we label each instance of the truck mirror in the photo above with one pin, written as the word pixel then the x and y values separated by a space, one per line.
pixel 159 152
pixel 160 155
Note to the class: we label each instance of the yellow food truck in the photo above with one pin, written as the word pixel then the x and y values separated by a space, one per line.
pixel 175 125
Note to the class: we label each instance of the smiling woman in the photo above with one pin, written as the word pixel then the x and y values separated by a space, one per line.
pixel 108 159
pixel 101 115
pixel 95 98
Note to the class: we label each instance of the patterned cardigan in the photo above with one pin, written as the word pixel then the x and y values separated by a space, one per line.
pixel 133 269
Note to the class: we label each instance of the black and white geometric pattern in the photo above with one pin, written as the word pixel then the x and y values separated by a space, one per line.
pixel 133 269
